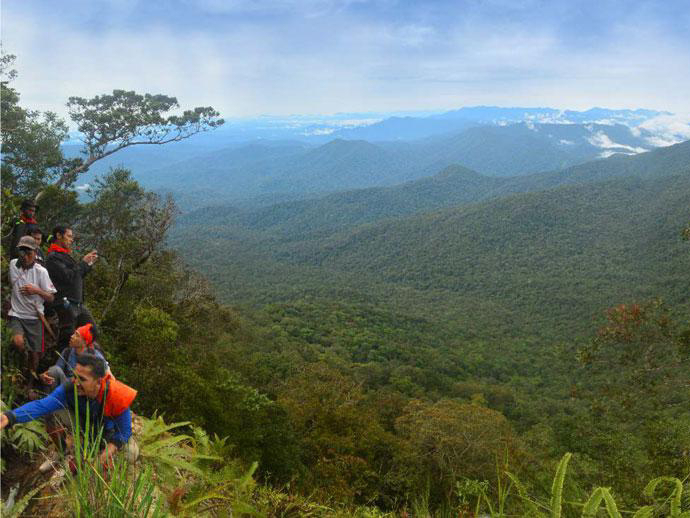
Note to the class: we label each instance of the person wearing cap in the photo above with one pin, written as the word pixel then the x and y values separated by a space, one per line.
pixel 81 341
pixel 108 401
pixel 67 274
pixel 27 217
pixel 31 287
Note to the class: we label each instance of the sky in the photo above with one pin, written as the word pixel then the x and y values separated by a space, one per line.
pixel 279 57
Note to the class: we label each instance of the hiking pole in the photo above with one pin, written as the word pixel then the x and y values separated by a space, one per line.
pixel 46 325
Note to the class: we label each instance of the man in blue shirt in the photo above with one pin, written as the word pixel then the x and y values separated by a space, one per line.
pixel 108 401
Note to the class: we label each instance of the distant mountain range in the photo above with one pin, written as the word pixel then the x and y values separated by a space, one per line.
pixel 308 156
pixel 453 186
pixel 292 169
pixel 409 128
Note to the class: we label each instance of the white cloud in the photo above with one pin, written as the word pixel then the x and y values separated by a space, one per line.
pixel 667 130
pixel 602 140
pixel 354 123
pixel 606 154
pixel 317 132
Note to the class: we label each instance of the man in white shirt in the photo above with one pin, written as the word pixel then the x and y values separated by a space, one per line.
pixel 31 287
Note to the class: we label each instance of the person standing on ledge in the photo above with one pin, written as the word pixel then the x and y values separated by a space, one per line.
pixel 67 275
pixel 31 286
pixel 108 400
pixel 27 213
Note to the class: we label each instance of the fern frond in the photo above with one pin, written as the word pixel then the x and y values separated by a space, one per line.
pixel 674 497
pixel 522 493
pixel 557 486
pixel 644 512
pixel 592 505
pixel 20 505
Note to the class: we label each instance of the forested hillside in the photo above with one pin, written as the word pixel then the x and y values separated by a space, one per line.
pixel 420 291
pixel 434 348
pixel 453 186
pixel 570 252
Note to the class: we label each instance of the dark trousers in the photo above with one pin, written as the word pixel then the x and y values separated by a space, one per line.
pixel 76 315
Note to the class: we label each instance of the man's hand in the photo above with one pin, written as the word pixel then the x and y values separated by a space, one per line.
pixel 47 378
pixel 4 421
pixel 30 289
pixel 90 258
pixel 106 456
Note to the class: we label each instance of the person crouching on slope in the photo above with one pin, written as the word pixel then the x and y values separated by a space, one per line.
pixel 108 400
pixel 81 340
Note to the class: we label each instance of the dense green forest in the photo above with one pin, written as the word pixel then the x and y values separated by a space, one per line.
pixel 426 349
pixel 535 264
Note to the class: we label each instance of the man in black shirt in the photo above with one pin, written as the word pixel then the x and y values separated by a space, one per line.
pixel 67 275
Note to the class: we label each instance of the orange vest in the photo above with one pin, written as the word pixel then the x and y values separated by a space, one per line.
pixel 118 398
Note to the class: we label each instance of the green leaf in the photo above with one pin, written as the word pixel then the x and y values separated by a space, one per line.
pixel 674 497
pixel 557 486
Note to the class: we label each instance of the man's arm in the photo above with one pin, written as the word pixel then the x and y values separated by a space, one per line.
pixel 86 263
pixel 14 273
pixel 31 289
pixel 54 401
pixel 46 284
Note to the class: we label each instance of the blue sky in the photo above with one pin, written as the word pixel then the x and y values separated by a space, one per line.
pixel 281 57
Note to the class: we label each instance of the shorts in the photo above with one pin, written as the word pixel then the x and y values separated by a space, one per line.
pixel 32 331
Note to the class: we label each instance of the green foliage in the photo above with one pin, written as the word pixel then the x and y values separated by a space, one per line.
pixel 387 346
pixel 127 118
pixel 673 501
pixel 533 265
pixel 27 438
pixel 591 507
pixel 16 510
pixel 127 225
pixel 31 154
pixel 451 441
pixel 168 454
pixel 557 486
pixel 105 489
pixel 642 410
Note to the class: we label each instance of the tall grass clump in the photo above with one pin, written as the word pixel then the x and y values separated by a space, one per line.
pixel 106 490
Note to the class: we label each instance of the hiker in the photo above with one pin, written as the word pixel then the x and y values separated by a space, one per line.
pixel 108 401
pixel 36 232
pixel 82 339
pixel 31 287
pixel 67 275
pixel 27 213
